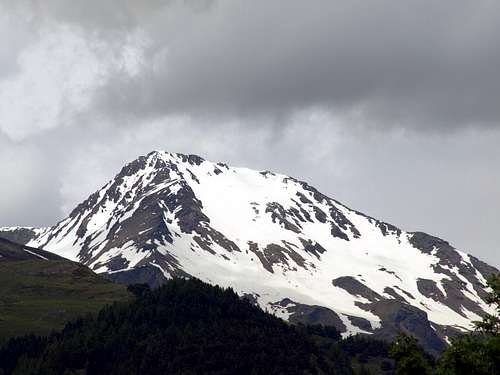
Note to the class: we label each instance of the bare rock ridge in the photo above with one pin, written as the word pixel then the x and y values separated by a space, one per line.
pixel 297 252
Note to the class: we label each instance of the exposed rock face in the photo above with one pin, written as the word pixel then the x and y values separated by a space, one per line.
pixel 429 289
pixel 300 313
pixel 275 238
pixel 152 276
pixel 397 316
pixel 356 288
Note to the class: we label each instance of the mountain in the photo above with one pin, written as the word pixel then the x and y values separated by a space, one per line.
pixel 41 291
pixel 276 240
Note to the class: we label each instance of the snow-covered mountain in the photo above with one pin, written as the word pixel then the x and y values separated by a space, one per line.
pixel 276 240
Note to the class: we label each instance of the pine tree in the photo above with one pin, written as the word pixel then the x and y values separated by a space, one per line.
pixel 409 356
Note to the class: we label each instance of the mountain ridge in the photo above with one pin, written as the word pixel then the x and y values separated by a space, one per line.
pixel 12 251
pixel 296 252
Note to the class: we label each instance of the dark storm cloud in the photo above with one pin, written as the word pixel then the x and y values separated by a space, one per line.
pixel 423 64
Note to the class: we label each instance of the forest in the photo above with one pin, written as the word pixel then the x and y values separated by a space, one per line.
pixel 190 327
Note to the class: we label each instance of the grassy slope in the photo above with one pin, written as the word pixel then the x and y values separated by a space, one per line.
pixel 38 296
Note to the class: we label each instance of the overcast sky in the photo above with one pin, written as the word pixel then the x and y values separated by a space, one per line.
pixel 390 107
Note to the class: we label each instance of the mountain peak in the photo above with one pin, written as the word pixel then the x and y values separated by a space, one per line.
pixel 174 157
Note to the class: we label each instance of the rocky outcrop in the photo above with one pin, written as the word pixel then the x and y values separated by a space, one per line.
pixel 307 314
pixel 356 288
pixel 397 316
pixel 140 275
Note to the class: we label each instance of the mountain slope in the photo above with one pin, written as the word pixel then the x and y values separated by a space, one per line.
pixel 290 248
pixel 40 291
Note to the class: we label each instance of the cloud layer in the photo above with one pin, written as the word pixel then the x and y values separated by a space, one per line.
pixel 421 64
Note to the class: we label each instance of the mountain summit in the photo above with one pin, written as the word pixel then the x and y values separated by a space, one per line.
pixel 276 240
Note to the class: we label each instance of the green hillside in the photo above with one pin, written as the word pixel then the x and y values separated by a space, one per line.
pixel 39 294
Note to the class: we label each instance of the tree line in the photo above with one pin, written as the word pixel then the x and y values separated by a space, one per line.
pixel 190 327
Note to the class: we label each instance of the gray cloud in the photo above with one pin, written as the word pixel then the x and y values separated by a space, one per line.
pixel 421 64
pixel 29 186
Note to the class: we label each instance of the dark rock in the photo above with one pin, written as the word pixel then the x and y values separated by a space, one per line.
pixel 191 159
pixel 142 275
pixel 312 314
pixel 312 247
pixel 275 254
pixel 356 288
pixel 281 216
pixel 398 317
pixel 390 291
pixel 429 289
pixel 361 323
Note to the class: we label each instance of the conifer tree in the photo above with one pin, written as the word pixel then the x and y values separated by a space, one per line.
pixel 409 356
